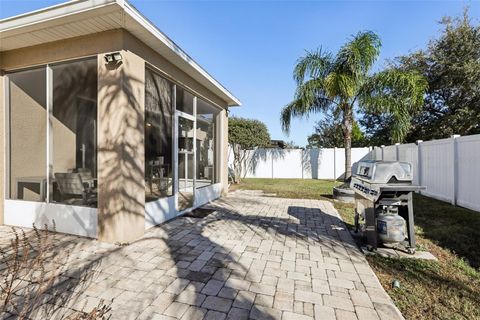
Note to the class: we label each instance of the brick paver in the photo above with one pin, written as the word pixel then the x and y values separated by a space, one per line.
pixel 253 257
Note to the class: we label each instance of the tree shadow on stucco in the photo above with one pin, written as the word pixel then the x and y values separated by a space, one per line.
pixel 121 126
pixel 121 185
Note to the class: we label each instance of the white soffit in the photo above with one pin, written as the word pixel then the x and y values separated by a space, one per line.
pixel 82 17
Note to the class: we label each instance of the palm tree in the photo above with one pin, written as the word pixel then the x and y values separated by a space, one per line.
pixel 343 83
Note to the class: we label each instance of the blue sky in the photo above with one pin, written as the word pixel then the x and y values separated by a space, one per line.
pixel 251 46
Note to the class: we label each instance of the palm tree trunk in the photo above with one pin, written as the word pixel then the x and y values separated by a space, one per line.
pixel 347 123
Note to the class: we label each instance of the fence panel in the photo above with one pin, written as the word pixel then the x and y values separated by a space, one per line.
pixel 260 164
pixel 436 162
pixel 325 163
pixel 468 171
pixel 287 163
pixel 390 153
pixel 409 153
pixel 377 153
pixel 359 154
pixel 318 163
pixel 339 169
pixel 449 168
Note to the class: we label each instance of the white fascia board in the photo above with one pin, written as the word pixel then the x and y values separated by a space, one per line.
pixel 51 13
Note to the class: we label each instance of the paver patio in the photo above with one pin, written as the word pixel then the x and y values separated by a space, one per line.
pixel 254 257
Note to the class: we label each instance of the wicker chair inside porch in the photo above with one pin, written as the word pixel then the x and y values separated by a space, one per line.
pixel 74 191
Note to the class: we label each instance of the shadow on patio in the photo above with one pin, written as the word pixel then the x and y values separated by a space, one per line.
pixel 232 260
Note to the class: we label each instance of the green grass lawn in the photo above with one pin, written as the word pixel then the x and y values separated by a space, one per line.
pixel 447 289
pixel 291 188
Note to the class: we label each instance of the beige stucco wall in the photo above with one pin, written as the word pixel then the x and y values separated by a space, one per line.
pixel 121 116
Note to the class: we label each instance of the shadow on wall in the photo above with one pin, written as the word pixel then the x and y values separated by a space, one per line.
pixel 310 162
pixel 263 163
pixel 120 147
pixel 258 156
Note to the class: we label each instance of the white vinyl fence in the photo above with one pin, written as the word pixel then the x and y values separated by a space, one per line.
pixel 449 168
pixel 325 163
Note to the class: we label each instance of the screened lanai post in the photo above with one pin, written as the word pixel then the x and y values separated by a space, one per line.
pixel 222 154
pixel 2 143
pixel 121 157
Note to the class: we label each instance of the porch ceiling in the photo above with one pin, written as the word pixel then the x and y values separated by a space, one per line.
pixel 82 17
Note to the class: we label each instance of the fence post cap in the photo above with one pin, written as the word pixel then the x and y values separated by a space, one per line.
pixel 419 141
pixel 382 146
pixel 454 136
pixel 397 144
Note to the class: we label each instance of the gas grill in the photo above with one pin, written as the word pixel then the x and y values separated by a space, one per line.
pixel 383 203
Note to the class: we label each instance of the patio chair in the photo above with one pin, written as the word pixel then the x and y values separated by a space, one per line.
pixel 87 177
pixel 74 191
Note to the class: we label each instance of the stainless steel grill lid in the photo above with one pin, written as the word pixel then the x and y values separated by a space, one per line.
pixel 384 171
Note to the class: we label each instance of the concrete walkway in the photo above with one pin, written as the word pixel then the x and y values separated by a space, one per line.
pixel 253 257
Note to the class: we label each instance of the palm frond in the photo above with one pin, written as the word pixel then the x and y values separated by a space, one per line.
pixel 358 55
pixel 314 64
pixel 341 85
pixel 299 109
pixel 397 93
